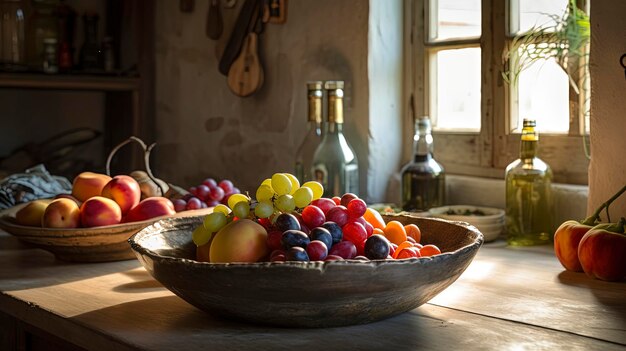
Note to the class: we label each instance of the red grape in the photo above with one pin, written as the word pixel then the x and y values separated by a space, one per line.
pixel 324 204
pixel 194 203
pixel 273 240
pixel 192 190
pixel 179 205
pixel 369 229
pixel 313 216
pixel 337 200
pixel 212 203
pixel 317 250
pixel 226 185
pixel 216 193
pixel 354 232
pixel 278 258
pixel 236 190
pixel 338 214
pixel 347 197
pixel 356 208
pixel 344 249
pixel 360 248
pixel 210 182
pixel 333 258
pixel 202 192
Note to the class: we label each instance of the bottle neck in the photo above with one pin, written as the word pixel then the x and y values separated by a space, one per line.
pixel 333 128
pixel 529 144
pixel 315 127
pixel 422 142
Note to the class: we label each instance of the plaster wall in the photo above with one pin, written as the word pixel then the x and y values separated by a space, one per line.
pixel 204 130
pixel 607 169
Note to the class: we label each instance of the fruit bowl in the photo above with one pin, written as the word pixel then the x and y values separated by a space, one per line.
pixel 488 220
pixel 306 294
pixel 98 244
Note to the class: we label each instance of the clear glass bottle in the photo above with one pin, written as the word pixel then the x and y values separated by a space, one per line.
pixel 12 34
pixel 529 194
pixel 423 178
pixel 304 155
pixel 335 163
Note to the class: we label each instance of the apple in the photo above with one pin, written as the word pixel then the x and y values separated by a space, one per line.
pixel 149 208
pixel 98 211
pixel 124 190
pixel 602 251
pixel 89 184
pixel 242 240
pixel 61 213
pixel 32 214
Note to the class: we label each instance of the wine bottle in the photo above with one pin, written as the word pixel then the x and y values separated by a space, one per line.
pixel 304 155
pixel 528 194
pixel 335 163
pixel 423 178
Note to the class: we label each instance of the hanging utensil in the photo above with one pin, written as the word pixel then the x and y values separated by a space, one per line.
pixel 238 35
pixel 214 22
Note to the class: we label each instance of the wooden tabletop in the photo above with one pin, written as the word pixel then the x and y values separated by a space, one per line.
pixel 508 299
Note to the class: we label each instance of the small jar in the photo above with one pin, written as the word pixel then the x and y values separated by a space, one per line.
pixel 50 56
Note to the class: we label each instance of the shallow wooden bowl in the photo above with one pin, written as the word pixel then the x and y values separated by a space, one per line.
pixel 98 244
pixel 306 294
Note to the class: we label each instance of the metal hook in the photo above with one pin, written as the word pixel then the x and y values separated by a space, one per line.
pixel 622 61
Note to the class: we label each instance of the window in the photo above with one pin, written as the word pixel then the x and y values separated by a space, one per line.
pixel 456 51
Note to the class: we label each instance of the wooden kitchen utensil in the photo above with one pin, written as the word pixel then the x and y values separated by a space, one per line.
pixel 214 22
pixel 238 35
pixel 246 73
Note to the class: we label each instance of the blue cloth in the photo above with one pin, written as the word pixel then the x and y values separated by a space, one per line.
pixel 35 183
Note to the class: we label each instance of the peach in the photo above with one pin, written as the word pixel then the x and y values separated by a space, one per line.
pixel 242 240
pixel 32 213
pixel 89 184
pixel 98 211
pixel 124 190
pixel 68 196
pixel 149 208
pixel 61 213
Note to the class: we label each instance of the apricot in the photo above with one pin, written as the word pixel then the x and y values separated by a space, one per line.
pixel 32 214
pixel 242 240
pixel 61 213
pixel 98 211
pixel 89 184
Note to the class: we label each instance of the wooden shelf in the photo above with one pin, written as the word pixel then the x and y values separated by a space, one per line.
pixel 68 82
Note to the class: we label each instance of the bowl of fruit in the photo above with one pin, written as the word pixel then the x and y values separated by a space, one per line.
pixel 94 222
pixel 294 258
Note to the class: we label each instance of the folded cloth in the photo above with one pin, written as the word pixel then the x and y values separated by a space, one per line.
pixel 35 183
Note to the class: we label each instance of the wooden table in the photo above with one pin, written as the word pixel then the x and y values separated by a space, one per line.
pixel 508 299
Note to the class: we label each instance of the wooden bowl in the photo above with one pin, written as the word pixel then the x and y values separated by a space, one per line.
pixel 98 244
pixel 306 294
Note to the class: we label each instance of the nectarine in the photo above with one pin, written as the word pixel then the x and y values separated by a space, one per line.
pixel 124 190
pixel 98 211
pixel 61 213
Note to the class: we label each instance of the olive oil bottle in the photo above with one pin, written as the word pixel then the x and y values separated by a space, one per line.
pixel 529 194
pixel 423 178
pixel 304 155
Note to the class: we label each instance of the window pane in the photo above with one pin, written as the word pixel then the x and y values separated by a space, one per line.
pixel 454 19
pixel 544 96
pixel 457 86
pixel 526 14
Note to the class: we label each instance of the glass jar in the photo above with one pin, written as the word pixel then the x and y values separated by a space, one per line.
pixel 50 56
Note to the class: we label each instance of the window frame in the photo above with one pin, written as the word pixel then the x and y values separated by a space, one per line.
pixel 485 153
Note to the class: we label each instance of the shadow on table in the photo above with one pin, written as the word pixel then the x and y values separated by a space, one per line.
pixel 25 267
pixel 169 323
pixel 609 294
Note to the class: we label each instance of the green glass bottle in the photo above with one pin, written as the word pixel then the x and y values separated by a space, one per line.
pixel 529 194
pixel 335 163
pixel 304 155
pixel 423 178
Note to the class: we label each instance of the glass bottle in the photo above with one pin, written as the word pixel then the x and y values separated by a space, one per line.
pixel 335 163
pixel 12 46
pixel 528 194
pixel 90 51
pixel 304 155
pixel 423 178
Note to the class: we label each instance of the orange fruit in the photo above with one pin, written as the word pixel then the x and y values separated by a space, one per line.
pixel 413 231
pixel 374 218
pixel 395 232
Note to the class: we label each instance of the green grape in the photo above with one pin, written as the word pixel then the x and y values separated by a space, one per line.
pixel 285 203
pixel 318 189
pixel 242 209
pixel 264 193
pixel 267 181
pixel 222 208
pixel 235 198
pixel 201 236
pixel 303 197
pixel 264 209
pixel 295 184
pixel 214 221
pixel 281 184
